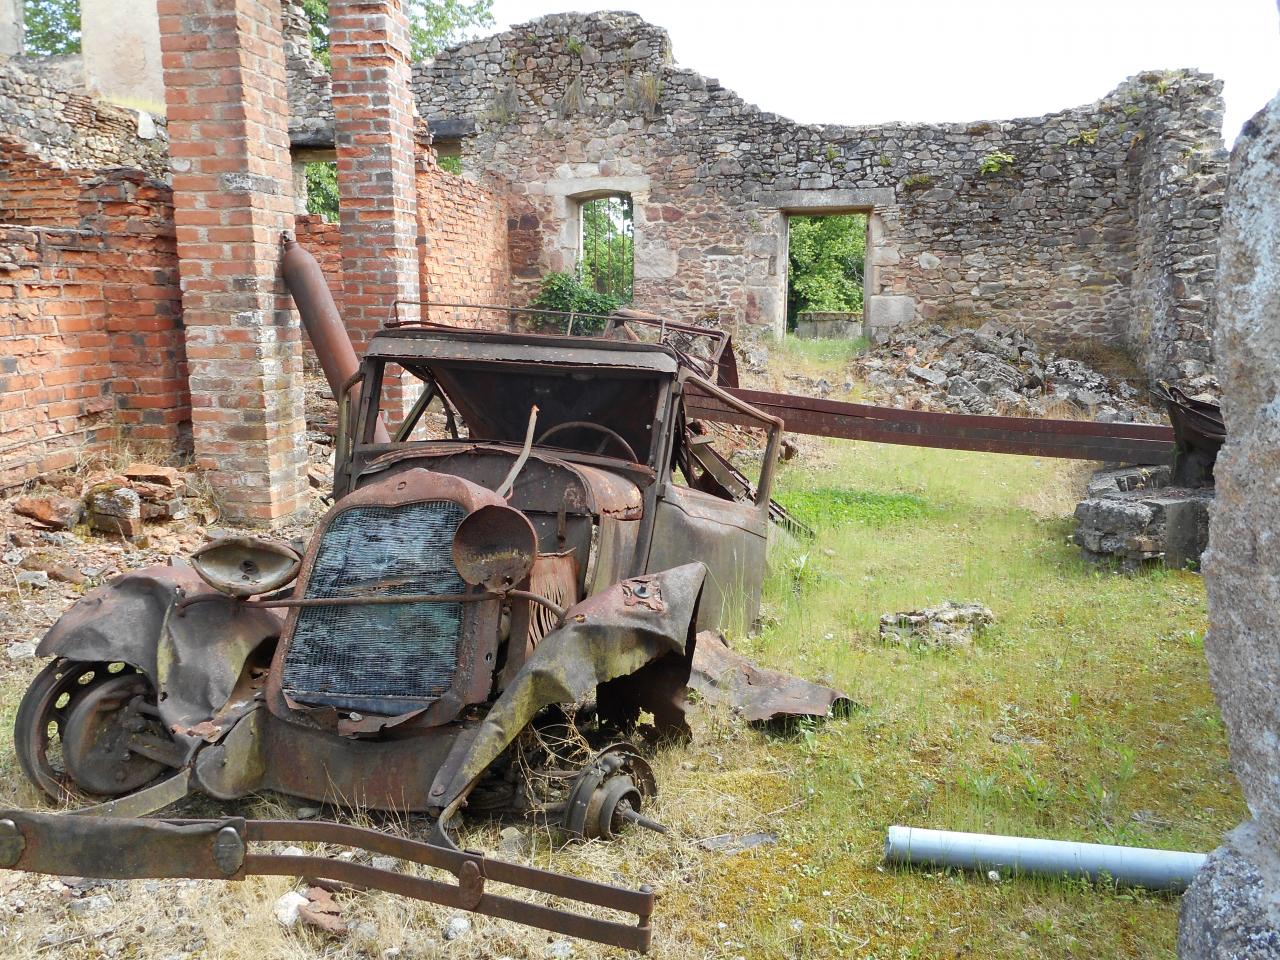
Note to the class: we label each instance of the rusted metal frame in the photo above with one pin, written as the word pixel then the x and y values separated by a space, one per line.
pixel 509 311
pixel 939 431
pixel 433 391
pixel 1089 428
pixel 444 858
pixel 146 801
pixel 367 600
pixel 772 425
pixel 414 344
pixel 467 895
pixel 429 392
pixel 218 849
pixel 370 402
pixel 719 337
pixel 342 440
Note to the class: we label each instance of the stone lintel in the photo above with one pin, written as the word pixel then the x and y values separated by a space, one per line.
pixel 829 201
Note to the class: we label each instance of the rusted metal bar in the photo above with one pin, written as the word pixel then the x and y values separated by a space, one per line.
pixel 1070 439
pixel 219 849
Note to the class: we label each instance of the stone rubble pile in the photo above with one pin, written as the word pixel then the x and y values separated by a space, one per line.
pixel 995 369
pixel 115 503
pixel 946 626
pixel 1133 516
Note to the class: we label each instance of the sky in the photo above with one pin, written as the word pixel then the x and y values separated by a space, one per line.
pixel 856 62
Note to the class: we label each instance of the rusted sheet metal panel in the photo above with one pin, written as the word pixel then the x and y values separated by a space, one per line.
pixel 756 693
pixel 448 344
pixel 610 635
pixel 1070 439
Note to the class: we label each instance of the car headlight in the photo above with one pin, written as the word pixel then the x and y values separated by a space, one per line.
pixel 246 566
pixel 495 546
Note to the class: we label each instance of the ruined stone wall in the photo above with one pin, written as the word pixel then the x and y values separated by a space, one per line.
pixel 310 87
pixel 90 329
pixel 571 106
pixel 1182 175
pixel 71 129
pixel 462 240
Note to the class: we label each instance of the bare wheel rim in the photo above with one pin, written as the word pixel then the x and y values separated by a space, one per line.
pixel 42 718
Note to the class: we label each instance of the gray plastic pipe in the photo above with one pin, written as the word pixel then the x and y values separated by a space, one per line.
pixel 1130 866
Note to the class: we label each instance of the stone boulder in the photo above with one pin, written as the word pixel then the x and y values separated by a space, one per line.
pixel 1232 909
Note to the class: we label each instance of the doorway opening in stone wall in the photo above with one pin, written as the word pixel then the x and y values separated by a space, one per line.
pixel 826 268
pixel 606 245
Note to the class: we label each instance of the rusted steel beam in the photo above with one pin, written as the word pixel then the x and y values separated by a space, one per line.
pixel 1069 439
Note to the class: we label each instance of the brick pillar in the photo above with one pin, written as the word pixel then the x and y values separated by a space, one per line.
pixel 228 112
pixel 377 190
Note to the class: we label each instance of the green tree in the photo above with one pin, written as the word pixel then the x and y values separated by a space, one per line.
pixel 607 261
pixel 433 24
pixel 826 260
pixel 52 26
pixel 322 189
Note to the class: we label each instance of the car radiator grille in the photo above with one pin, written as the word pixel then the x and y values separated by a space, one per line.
pixel 380 658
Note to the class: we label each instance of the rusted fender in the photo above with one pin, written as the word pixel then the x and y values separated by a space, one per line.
pixel 610 635
pixel 756 693
pixel 193 658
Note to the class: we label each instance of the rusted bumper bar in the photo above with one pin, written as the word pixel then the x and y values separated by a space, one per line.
pixel 125 849
pixel 1071 439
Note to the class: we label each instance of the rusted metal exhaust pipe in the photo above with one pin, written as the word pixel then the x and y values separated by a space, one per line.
pixel 305 280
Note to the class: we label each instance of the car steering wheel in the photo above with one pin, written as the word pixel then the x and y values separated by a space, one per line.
pixel 587 425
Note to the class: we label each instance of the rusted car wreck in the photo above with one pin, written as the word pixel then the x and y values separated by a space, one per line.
pixel 544 565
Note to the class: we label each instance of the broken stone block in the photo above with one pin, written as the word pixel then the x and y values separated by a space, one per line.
pixel 115 509
pixel 55 570
pixel 945 626
pixel 1133 516
pixel 55 513
pixel 154 473
pixel 933 377
pixel 33 578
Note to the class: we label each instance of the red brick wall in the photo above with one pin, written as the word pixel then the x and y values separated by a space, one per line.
pixel 320 238
pixel 90 328
pixel 35 193
pixel 462 241
pixel 374 123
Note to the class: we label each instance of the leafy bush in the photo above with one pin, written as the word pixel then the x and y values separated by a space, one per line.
pixel 997 162
pixel 322 189
pixel 567 293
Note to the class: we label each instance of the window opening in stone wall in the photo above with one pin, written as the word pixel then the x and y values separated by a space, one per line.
pixel 826 259
pixel 606 246
pixel 322 189
pixel 449 155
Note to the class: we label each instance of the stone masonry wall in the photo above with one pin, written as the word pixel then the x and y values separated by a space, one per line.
pixel 90 329
pixel 1181 184
pixel 72 129
pixel 570 106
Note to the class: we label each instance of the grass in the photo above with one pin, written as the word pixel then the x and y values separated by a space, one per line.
pixel 815 358
pixel 1084 713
